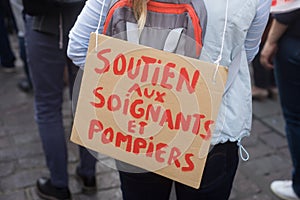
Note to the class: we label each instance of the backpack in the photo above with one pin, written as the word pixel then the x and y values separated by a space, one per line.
pixel 176 26
pixel 173 26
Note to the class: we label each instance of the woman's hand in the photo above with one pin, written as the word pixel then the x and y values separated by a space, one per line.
pixel 271 45
pixel 267 54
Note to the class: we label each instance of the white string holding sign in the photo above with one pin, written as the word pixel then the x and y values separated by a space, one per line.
pixel 217 62
pixel 99 23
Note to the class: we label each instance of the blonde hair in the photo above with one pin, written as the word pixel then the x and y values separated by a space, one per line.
pixel 140 12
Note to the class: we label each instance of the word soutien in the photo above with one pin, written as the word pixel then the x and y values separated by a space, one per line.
pixel 149 108
pixel 158 74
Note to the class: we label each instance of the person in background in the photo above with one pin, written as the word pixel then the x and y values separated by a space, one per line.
pixel 264 85
pixel 246 23
pixel 46 42
pixel 7 56
pixel 17 9
pixel 282 52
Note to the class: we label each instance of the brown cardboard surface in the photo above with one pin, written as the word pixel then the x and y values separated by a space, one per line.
pixel 149 108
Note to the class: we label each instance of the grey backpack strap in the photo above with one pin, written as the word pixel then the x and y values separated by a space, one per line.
pixel 233 70
pixel 132 32
pixel 172 40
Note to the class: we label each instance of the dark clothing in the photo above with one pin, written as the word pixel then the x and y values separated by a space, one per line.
pixel 50 23
pixel 7 57
pixel 216 182
pixel 287 74
pixel 46 38
pixel 292 19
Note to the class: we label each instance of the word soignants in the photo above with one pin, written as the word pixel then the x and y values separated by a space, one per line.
pixel 142 113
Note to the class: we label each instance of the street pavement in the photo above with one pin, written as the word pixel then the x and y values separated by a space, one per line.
pixel 22 160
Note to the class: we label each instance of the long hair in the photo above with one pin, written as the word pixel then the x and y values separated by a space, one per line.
pixel 140 12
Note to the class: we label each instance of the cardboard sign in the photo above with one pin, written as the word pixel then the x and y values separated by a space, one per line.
pixel 149 108
pixel 282 6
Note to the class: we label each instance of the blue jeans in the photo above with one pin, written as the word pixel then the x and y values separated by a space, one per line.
pixel 47 63
pixel 287 74
pixel 216 184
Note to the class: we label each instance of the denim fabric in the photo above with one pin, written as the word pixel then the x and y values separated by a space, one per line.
pixel 47 63
pixel 287 74
pixel 216 182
